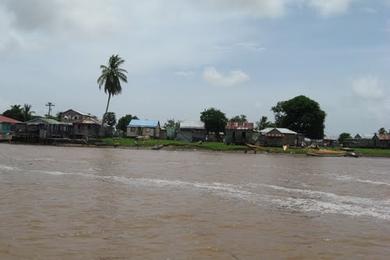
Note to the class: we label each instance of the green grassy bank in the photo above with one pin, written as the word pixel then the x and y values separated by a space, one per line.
pixel 211 146
pixel 216 146
pixel 373 152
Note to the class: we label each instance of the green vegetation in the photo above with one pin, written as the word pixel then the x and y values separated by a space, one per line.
pixel 20 113
pixel 211 146
pixel 239 119
pixel 149 143
pixel 110 119
pixel 301 114
pixel 214 120
pixel 343 137
pixel 217 146
pixel 111 77
pixel 373 152
pixel 124 121
pixel 264 123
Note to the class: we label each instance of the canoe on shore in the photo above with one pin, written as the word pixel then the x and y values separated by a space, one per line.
pixel 331 153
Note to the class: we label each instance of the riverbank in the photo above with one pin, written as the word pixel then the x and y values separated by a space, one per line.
pixel 218 146
pixel 157 144
pixel 208 146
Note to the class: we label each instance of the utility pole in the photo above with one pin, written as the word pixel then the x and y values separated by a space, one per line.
pixel 50 105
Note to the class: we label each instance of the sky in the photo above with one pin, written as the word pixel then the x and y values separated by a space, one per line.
pixel 182 56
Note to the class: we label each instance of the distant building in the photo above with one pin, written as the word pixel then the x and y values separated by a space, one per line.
pixel 85 125
pixel 330 142
pixel 86 128
pixel 72 116
pixel 361 141
pixel 279 137
pixel 6 125
pixel 191 131
pixel 146 128
pixel 381 140
pixel 239 132
pixel 39 129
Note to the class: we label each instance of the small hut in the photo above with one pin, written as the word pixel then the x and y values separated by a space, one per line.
pixel 239 132
pixel 145 128
pixel 191 131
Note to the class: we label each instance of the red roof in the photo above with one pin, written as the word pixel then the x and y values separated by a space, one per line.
pixel 384 137
pixel 4 119
pixel 239 126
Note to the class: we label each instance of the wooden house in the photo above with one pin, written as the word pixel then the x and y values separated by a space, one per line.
pixel 86 128
pixel 381 140
pixel 191 131
pixel 41 129
pixel 145 128
pixel 71 116
pixel 239 133
pixel 278 137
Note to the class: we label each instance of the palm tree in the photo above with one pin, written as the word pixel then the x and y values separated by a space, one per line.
pixel 111 78
pixel 27 113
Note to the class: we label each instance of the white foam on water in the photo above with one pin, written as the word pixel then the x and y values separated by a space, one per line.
pixel 326 202
pixel 326 207
pixel 350 178
pixel 7 168
pixel 312 201
pixel 323 195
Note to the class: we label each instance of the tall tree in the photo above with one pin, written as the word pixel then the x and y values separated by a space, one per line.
pixel 264 123
pixel 27 113
pixel 382 131
pixel 111 77
pixel 124 121
pixel 214 120
pixel 239 119
pixel 302 115
pixel 343 137
pixel 110 118
pixel 172 124
pixel 15 112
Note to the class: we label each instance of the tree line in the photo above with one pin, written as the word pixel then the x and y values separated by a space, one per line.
pixel 300 114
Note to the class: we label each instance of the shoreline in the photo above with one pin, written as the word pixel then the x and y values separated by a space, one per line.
pixel 194 147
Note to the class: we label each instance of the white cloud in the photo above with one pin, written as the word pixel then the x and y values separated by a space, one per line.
pixel 368 88
pixel 251 46
pixel 257 8
pixel 233 78
pixel 278 8
pixel 371 95
pixel 330 7
pixel 184 73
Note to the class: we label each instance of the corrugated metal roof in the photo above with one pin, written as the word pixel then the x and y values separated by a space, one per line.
pixel 281 130
pixel 89 121
pixel 240 125
pixel 4 119
pixel 78 112
pixel 143 123
pixel 192 125
pixel 48 121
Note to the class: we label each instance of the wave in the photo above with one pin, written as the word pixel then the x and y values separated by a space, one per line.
pixel 350 178
pixel 7 168
pixel 303 200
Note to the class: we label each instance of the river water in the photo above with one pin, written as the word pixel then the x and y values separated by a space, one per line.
pixel 87 203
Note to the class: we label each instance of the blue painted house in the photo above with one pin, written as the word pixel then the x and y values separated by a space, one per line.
pixel 145 128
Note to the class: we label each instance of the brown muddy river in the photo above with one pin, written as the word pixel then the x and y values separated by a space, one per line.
pixel 86 203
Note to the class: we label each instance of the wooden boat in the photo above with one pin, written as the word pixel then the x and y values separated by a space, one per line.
pixel 326 153
pixel 331 153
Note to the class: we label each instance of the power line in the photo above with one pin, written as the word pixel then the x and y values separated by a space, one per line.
pixel 50 105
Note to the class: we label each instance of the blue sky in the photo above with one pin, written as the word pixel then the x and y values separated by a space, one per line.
pixel 183 56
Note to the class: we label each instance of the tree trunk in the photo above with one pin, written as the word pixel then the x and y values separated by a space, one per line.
pixel 108 103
